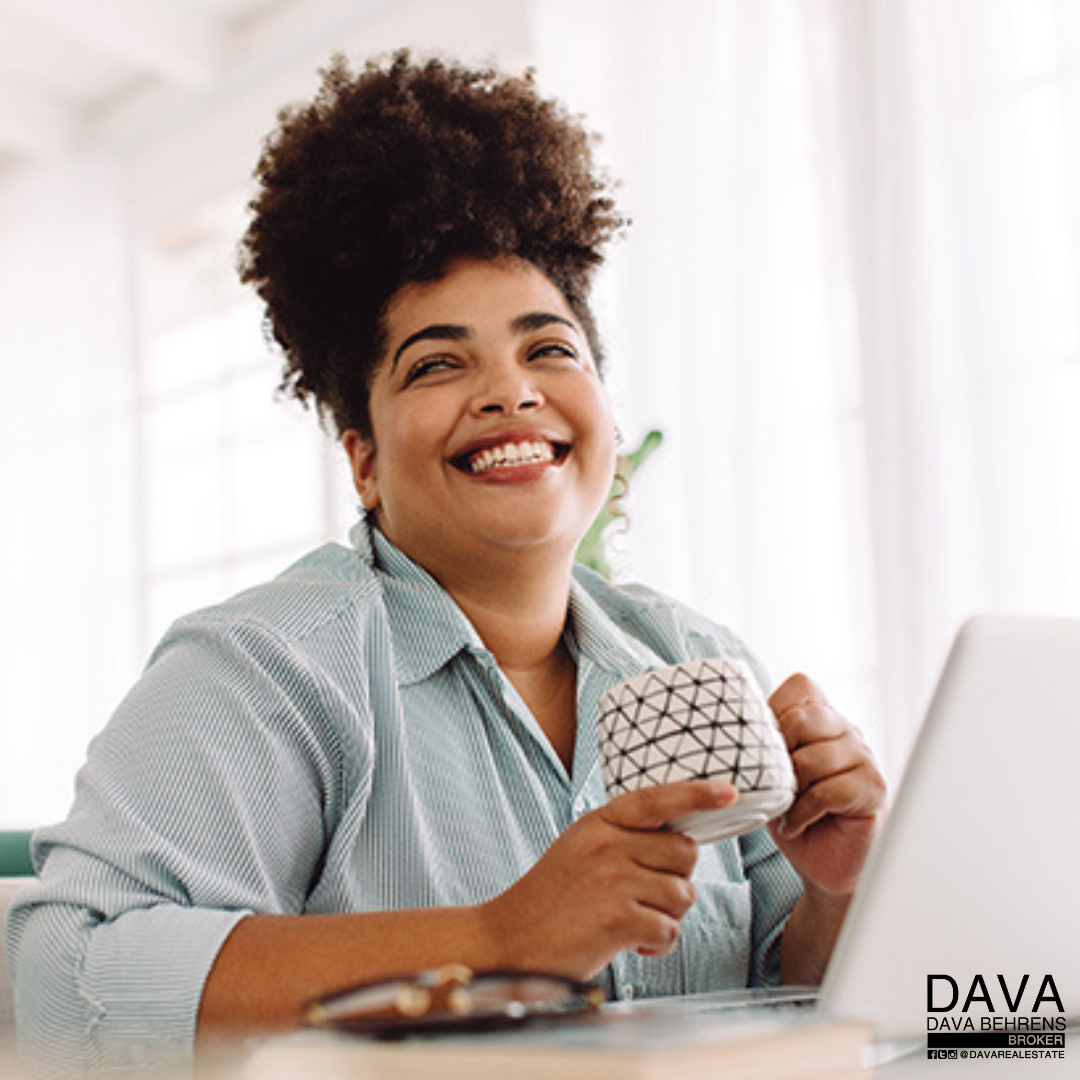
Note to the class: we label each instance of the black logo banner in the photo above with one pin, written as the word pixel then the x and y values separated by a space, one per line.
pixel 997 1040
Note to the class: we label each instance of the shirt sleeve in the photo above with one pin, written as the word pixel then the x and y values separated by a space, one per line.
pixel 206 798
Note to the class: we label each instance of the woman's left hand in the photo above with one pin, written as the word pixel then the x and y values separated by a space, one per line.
pixel 827 832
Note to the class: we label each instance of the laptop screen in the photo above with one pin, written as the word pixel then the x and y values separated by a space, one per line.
pixel 964 920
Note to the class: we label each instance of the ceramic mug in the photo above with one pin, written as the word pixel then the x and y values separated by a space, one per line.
pixel 701 719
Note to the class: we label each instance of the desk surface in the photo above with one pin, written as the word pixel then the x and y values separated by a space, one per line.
pixel 274 1058
pixel 343 1058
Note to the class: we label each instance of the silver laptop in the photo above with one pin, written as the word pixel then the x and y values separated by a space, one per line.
pixel 976 874
pixel 967 905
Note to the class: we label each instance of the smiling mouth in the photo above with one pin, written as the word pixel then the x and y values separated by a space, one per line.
pixel 511 455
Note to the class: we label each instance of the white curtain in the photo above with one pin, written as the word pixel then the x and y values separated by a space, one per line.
pixel 849 299
pixel 69 549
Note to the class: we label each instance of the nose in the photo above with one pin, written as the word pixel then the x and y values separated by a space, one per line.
pixel 507 389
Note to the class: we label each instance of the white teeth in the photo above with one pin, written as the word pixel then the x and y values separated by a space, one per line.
pixel 524 453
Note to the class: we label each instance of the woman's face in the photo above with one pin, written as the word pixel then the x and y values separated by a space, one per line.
pixel 491 430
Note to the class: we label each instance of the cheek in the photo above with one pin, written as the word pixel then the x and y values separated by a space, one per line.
pixel 411 440
pixel 602 425
pixel 593 419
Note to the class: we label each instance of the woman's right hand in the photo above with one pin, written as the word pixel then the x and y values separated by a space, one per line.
pixel 616 879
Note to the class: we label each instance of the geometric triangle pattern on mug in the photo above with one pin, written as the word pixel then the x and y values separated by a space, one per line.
pixel 693 721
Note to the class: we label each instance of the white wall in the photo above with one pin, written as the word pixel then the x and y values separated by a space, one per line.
pixel 68 544
pixel 72 623
pixel 875 220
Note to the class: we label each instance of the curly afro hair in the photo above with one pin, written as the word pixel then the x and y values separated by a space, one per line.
pixel 386 178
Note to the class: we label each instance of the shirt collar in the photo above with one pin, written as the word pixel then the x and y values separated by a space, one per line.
pixel 427 627
pixel 595 635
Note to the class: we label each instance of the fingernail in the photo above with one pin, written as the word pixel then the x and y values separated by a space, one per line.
pixel 721 787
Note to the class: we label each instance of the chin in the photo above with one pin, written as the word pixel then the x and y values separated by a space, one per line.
pixel 524 540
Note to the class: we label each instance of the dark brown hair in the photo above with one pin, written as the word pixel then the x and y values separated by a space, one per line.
pixel 387 177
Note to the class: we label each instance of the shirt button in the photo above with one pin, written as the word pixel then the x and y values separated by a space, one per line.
pixel 580 805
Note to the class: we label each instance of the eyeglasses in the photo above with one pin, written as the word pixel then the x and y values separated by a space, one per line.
pixel 453 998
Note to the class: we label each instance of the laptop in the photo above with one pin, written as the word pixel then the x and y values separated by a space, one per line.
pixel 966 906
pixel 969 893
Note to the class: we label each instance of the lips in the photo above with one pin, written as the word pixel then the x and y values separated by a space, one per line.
pixel 510 453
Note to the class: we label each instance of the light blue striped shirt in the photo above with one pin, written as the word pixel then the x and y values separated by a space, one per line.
pixel 340 740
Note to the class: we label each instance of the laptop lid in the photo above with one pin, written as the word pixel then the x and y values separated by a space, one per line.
pixel 966 910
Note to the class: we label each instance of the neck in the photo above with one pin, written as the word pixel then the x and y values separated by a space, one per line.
pixel 516 599
pixel 521 619
pixel 519 616
pixel 517 603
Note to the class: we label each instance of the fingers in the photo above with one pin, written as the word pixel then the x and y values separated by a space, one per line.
pixel 648 865
pixel 652 808
pixel 804 713
pixel 669 894
pixel 834 768
pixel 652 852
pixel 652 921
pixel 663 852
pixel 799 689
pixel 828 757
pixel 608 883
pixel 856 793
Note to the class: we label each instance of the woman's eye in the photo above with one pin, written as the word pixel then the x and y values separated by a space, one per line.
pixel 428 366
pixel 553 350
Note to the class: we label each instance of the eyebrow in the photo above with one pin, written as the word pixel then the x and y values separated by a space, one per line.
pixel 537 320
pixel 521 324
pixel 435 332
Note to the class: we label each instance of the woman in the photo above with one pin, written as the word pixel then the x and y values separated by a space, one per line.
pixel 385 759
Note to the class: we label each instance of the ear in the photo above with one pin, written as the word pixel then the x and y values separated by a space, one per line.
pixel 361 452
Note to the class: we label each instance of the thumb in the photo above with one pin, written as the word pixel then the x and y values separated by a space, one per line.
pixel 651 808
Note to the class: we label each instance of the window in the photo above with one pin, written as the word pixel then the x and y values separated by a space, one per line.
pixel 236 482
